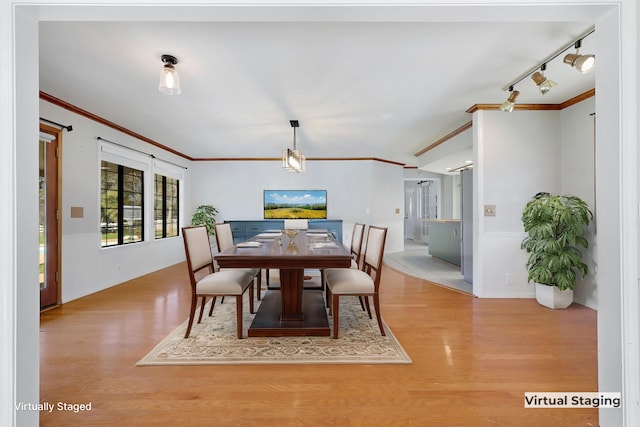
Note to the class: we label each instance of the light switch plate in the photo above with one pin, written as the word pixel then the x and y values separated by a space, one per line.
pixel 489 210
pixel 77 212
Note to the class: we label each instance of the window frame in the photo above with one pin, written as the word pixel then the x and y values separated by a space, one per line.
pixel 150 166
pixel 122 171
pixel 165 207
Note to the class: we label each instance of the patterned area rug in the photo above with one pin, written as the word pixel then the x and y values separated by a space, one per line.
pixel 214 342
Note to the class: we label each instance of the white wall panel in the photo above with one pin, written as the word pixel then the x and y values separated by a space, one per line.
pixel 516 155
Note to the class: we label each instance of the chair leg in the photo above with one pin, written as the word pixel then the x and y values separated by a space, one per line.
pixel 251 309
pixel 336 310
pixel 376 305
pixel 239 315
pixel 192 314
pixel 328 299
pixel 366 303
pixel 259 283
pixel 322 284
pixel 204 300
pixel 213 303
pixel 361 299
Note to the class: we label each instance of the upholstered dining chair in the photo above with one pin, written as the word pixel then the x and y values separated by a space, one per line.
pixel 296 224
pixel 355 282
pixel 356 251
pixel 206 282
pixel 224 240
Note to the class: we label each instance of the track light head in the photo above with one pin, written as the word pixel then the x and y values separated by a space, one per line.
pixel 543 83
pixel 510 103
pixel 582 63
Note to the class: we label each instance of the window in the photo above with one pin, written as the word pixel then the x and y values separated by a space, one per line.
pixel 139 196
pixel 121 204
pixel 166 206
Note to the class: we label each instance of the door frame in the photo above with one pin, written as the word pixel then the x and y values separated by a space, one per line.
pixel 57 133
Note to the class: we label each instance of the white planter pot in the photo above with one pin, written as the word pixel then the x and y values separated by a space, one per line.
pixel 552 297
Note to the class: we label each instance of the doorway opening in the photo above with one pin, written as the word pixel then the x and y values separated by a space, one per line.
pixel 421 204
pixel 49 213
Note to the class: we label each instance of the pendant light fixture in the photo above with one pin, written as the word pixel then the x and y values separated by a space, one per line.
pixel 582 63
pixel 169 80
pixel 543 83
pixel 510 103
pixel 292 159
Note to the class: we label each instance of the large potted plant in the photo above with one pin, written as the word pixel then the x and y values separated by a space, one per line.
pixel 205 215
pixel 555 227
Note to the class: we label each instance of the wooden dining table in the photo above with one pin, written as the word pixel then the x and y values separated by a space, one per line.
pixel 290 310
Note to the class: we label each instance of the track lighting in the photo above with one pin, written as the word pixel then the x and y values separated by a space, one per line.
pixel 510 103
pixel 169 80
pixel 582 63
pixel 543 83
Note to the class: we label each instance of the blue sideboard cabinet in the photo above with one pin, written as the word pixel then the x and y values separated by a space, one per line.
pixel 244 229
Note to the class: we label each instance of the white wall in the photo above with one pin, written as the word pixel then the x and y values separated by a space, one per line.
pixel 365 191
pixel 516 155
pixel 577 178
pixel 86 267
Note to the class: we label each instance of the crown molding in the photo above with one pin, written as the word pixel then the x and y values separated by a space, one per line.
pixel 445 138
pixel 522 107
pixel 84 113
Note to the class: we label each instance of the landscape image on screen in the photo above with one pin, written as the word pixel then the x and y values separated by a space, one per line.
pixel 295 204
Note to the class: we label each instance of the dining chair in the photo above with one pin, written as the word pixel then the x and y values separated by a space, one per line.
pixel 356 250
pixel 224 240
pixel 296 224
pixel 363 282
pixel 206 282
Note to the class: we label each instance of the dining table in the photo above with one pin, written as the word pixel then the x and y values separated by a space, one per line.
pixel 290 310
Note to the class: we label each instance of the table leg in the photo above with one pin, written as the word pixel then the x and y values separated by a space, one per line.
pixel 291 287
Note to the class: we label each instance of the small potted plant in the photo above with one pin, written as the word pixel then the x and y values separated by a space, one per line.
pixel 205 215
pixel 555 227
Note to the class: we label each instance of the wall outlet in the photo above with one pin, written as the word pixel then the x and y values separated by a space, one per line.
pixel 489 210
pixel 507 279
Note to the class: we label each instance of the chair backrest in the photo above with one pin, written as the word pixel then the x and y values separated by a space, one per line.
pixel 356 241
pixel 374 252
pixel 198 250
pixel 296 224
pixel 224 236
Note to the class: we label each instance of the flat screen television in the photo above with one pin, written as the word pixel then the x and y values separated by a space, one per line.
pixel 295 204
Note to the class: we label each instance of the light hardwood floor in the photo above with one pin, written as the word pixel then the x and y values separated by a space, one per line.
pixel 473 359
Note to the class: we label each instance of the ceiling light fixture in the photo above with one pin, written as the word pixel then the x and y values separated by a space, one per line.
pixel 543 83
pixel 294 160
pixel 169 80
pixel 582 63
pixel 510 103
pixel 554 55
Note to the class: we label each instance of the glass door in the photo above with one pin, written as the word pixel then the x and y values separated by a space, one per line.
pixel 48 246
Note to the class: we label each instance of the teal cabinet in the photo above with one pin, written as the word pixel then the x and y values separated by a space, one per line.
pixel 444 240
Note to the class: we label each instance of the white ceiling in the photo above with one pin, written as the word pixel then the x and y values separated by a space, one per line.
pixel 359 87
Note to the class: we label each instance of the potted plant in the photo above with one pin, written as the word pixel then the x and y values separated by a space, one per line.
pixel 555 227
pixel 205 215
